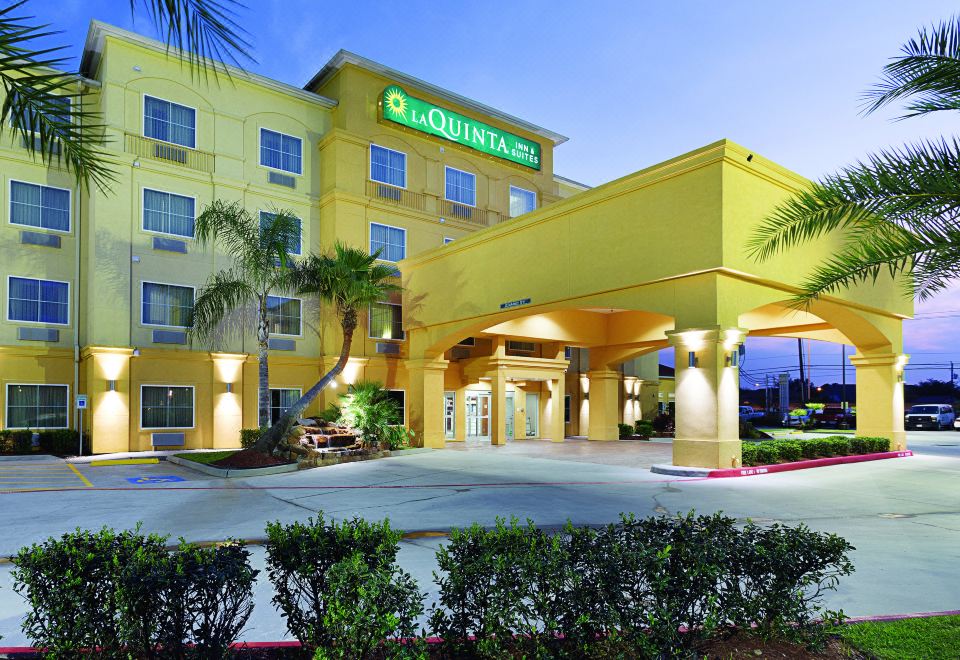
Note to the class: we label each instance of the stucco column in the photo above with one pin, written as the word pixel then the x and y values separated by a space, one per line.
pixel 647 398
pixel 227 385
pixel 880 408
pixel 604 397
pixel 631 405
pixel 425 390
pixel 108 381
pixel 555 422
pixel 498 408
pixel 707 397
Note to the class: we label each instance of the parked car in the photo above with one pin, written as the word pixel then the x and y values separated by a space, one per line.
pixel 836 416
pixel 747 413
pixel 796 418
pixel 934 416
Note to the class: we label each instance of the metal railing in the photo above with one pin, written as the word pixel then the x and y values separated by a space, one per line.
pixel 428 203
pixel 470 214
pixel 166 152
pixel 399 196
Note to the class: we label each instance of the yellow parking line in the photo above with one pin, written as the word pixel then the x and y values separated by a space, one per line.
pixel 82 478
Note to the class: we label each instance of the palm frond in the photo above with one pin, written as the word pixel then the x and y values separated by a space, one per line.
pixel 225 291
pixel 43 105
pixel 280 230
pixel 236 231
pixel 928 73
pixel 204 32
pixel 915 188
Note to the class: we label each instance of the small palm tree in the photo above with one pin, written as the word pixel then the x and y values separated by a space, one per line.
pixel 261 268
pixel 368 408
pixel 900 208
pixel 47 107
pixel 348 280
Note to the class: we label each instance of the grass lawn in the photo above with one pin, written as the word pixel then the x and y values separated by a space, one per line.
pixel 909 639
pixel 206 457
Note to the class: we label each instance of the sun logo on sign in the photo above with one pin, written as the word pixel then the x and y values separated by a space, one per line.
pixel 396 102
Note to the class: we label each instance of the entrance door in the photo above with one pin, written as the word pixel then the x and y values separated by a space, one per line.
pixel 449 415
pixel 510 410
pixel 478 415
pixel 533 415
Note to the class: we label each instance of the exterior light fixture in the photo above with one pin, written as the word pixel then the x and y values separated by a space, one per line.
pixel 229 388
pixel 111 386
pixel 136 352
pixel 692 360
pixel 733 359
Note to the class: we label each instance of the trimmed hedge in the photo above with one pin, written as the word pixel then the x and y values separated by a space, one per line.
pixel 788 451
pixel 16 442
pixel 249 437
pixel 63 442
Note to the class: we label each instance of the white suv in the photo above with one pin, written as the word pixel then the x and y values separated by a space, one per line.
pixel 933 416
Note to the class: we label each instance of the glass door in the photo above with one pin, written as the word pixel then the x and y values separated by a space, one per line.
pixel 510 412
pixel 449 415
pixel 533 415
pixel 478 414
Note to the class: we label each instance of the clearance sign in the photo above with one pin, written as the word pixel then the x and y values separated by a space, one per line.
pixel 401 108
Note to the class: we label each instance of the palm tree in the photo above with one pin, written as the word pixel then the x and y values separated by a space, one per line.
pixel 348 280
pixel 899 209
pixel 47 106
pixel 261 268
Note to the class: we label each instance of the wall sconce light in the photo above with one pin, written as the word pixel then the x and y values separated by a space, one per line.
pixel 111 386
pixel 229 388
pixel 136 352
pixel 733 359
pixel 692 361
pixel 586 396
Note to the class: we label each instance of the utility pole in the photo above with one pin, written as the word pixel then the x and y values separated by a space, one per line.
pixel 803 380
pixel 843 364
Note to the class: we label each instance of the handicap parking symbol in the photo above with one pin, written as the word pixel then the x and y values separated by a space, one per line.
pixel 158 479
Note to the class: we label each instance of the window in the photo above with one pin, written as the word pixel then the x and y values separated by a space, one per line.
pixel 166 407
pixel 461 187
pixel 57 108
pixel 390 241
pixel 566 408
pixel 521 201
pixel 567 352
pixel 281 152
pixel 386 321
pixel 388 166
pixel 280 401
pixel 167 213
pixel 294 242
pixel 521 346
pixel 38 301
pixel 39 206
pixel 37 406
pixel 400 398
pixel 283 314
pixel 169 122
pixel 166 304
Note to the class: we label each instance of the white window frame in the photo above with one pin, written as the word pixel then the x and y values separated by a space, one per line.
pixel 143 121
pixel 447 168
pixel 39 323
pixel 370 165
pixel 6 408
pixel 193 408
pixel 260 151
pixel 143 211
pixel 370 334
pixel 158 325
pixel 298 390
pixel 370 239
pixel 403 407
pixel 300 325
pixel 10 221
pixel 526 190
pixel 260 213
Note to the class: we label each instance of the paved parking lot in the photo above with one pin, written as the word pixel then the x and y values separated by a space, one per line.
pixel 902 515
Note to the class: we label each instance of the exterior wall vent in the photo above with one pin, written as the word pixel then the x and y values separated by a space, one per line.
pixel 38 334
pixel 521 346
pixel 167 439
pixel 169 337
pixel 388 348
pixel 36 238
pixel 282 344
pixel 459 353
pixel 282 179
pixel 169 245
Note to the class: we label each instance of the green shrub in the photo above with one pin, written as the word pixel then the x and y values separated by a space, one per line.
pixel 808 449
pixel 397 437
pixel 821 447
pixel 644 428
pixel 249 437
pixel 331 414
pixel 625 430
pixel 789 450
pixel 21 442
pixel 748 453
pixel 766 453
pixel 839 445
pixel 63 442
pixel 300 557
pixel 869 445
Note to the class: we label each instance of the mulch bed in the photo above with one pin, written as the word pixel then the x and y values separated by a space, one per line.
pixel 248 458
pixel 737 647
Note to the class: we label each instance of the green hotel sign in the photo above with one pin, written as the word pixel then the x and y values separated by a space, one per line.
pixel 401 108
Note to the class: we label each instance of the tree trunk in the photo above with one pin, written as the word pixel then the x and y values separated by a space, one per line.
pixel 271 439
pixel 263 374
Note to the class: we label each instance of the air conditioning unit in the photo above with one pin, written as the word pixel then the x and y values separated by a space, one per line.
pixel 388 348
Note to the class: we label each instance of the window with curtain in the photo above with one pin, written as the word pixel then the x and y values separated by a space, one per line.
pixel 59 110
pixel 294 242
pixel 521 201
pixel 386 321
pixel 283 314
pixel 388 166
pixel 166 304
pixel 34 205
pixel 391 241
pixel 38 301
pixel 281 152
pixel 461 186
pixel 167 213
pixel 37 406
pixel 166 407
pixel 280 401
pixel 169 122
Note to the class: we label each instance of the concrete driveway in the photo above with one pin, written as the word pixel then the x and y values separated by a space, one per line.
pixel 903 515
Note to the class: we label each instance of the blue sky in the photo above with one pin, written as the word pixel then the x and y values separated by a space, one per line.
pixel 631 83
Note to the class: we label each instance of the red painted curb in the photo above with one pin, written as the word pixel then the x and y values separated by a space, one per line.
pixel 804 465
